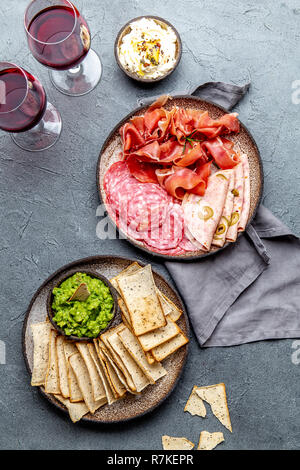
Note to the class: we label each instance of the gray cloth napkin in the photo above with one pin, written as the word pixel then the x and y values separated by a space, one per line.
pixel 249 291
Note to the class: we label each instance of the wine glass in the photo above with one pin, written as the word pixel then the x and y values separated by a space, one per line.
pixel 59 37
pixel 34 123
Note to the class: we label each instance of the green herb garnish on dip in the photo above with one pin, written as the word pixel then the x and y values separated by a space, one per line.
pixel 82 318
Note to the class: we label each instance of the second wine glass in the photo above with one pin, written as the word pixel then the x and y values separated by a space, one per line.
pixel 59 38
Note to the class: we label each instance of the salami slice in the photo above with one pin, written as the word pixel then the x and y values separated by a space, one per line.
pixel 170 234
pixel 148 206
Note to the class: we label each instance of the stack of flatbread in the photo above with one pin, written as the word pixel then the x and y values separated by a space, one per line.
pixel 148 313
pixel 126 358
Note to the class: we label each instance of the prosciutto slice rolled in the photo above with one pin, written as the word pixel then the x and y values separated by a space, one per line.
pixel 220 233
pixel 202 214
pixel 246 201
pixel 237 203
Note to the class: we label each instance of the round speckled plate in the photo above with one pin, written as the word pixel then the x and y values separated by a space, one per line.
pixel 131 406
pixel 112 147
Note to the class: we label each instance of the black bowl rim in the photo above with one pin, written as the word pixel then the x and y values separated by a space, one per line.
pixel 189 257
pixel 65 276
pixel 132 75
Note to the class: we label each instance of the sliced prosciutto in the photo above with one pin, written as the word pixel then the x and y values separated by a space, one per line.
pixel 186 138
pixel 232 231
pixel 202 214
pixel 246 199
pixel 221 231
pixel 222 152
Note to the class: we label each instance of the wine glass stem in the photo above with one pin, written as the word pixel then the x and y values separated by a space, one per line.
pixel 74 71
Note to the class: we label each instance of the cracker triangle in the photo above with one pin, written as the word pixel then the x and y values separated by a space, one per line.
pixel 208 441
pixel 195 405
pixel 215 396
pixel 176 443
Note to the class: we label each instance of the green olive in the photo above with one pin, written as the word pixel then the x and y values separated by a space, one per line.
pixel 235 192
pixel 220 175
pixel 206 213
pixel 222 227
pixel 235 216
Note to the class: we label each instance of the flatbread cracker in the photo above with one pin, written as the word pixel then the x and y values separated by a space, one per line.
pixel 109 393
pixel 176 443
pixel 159 336
pixel 41 335
pixel 153 372
pixel 215 396
pixel 52 377
pixel 75 392
pixel 126 320
pixel 208 441
pixel 96 381
pixel 139 293
pixel 169 347
pixel 140 380
pixel 195 405
pixel 132 268
pixel 83 378
pixel 115 375
pixel 116 357
pixel 149 357
pixel 62 367
pixel 169 308
pixel 76 410
pixel 106 367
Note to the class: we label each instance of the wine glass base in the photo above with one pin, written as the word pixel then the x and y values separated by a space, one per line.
pixel 81 79
pixel 44 135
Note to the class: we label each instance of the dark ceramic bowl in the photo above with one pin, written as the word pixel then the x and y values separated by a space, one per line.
pixel 63 278
pixel 126 29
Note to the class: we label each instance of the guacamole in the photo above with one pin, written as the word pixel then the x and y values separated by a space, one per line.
pixel 79 318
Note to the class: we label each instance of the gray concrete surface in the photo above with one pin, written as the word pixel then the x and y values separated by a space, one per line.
pixel 48 214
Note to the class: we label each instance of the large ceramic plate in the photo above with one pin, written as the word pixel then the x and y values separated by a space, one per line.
pixel 112 147
pixel 131 406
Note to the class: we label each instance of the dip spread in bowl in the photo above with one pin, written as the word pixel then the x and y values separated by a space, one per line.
pixel 148 48
pixel 82 305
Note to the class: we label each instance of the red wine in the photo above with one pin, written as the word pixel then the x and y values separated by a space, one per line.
pixel 59 37
pixel 21 109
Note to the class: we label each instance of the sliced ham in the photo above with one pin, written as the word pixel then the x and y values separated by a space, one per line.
pixel 237 203
pixel 220 233
pixel 202 214
pixel 246 200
